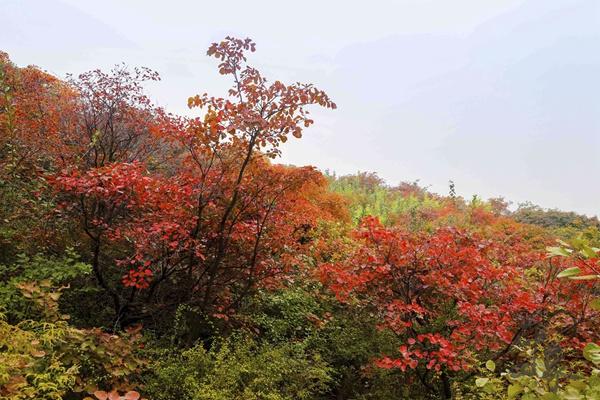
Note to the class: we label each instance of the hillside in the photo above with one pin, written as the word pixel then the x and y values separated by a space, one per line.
pixel 150 255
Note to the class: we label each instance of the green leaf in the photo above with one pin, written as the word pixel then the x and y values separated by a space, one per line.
pixel 591 352
pixel 550 396
pixel 481 382
pixel 514 390
pixel 540 367
pixel 595 304
pixel 491 365
pixel 588 252
pixel 572 393
pixel 558 251
pixel 585 277
pixel 580 385
pixel 569 272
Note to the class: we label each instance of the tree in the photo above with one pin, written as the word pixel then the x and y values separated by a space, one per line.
pixel 455 299
pixel 35 108
pixel 214 222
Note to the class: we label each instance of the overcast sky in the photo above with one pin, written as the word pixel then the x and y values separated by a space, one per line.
pixel 500 96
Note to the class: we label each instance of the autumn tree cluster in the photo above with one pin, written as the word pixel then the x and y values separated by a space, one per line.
pixel 145 254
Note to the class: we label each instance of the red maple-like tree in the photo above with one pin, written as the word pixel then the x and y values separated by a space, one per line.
pixel 457 299
pixel 192 205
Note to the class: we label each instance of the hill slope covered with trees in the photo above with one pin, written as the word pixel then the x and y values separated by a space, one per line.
pixel 149 255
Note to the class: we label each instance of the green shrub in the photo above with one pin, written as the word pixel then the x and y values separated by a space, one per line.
pixel 49 359
pixel 344 336
pixel 54 271
pixel 240 368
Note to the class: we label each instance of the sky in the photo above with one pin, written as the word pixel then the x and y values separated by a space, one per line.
pixel 500 96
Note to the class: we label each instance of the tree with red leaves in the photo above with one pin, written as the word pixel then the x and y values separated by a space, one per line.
pixel 36 109
pixel 455 299
pixel 211 222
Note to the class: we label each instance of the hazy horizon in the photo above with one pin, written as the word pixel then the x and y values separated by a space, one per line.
pixel 498 96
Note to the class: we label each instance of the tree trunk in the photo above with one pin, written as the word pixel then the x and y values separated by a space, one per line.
pixel 446 388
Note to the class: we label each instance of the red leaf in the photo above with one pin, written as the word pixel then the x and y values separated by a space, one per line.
pixel 132 395
pixel 101 395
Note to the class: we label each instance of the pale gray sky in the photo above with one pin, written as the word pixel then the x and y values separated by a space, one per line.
pixel 501 96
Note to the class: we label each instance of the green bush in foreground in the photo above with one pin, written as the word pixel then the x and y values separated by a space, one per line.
pixel 239 368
